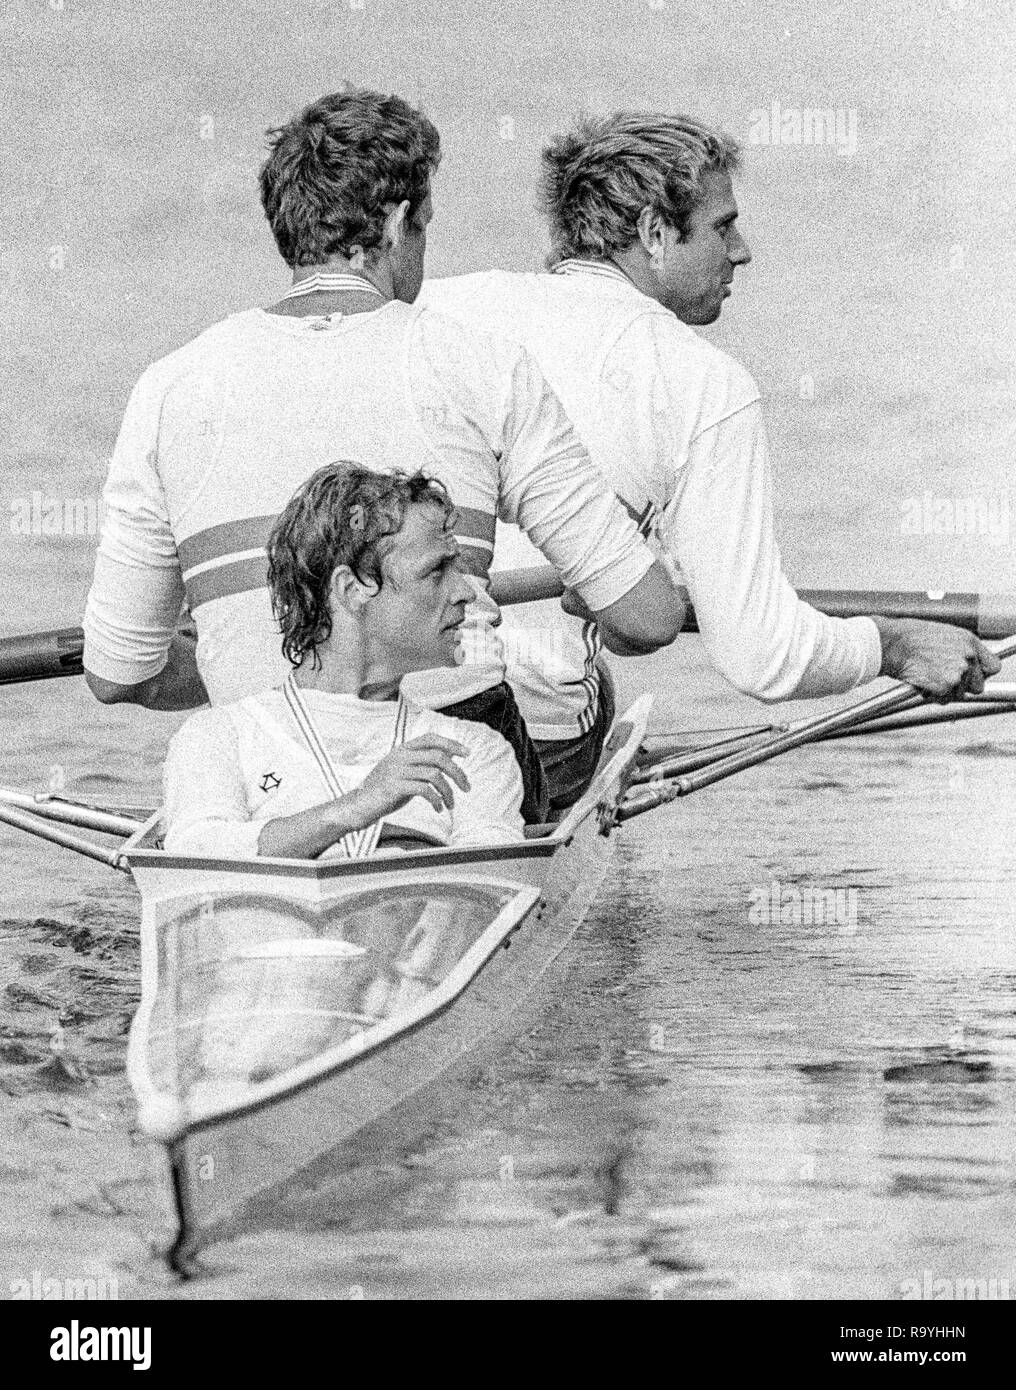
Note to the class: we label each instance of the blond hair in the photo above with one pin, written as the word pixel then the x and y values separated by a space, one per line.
pixel 597 178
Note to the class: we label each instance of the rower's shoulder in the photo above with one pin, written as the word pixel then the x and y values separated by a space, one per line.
pixel 215 344
pixel 678 350
pixel 228 720
pixel 452 293
pixel 463 347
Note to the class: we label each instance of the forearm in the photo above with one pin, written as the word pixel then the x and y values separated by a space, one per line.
pixel 307 834
pixel 178 686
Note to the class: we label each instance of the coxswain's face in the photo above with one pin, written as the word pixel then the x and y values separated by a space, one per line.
pixel 408 258
pixel 694 273
pixel 415 617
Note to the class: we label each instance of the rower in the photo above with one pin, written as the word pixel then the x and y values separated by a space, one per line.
pixel 218 436
pixel 643 224
pixel 366 583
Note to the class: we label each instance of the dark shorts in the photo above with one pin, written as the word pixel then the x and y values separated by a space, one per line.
pixel 570 764
pixel 497 709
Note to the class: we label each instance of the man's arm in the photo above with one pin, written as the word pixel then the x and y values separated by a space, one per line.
pixel 133 652
pixel 767 641
pixel 552 489
pixel 631 625
pixel 483 396
pixel 488 811
pixel 177 686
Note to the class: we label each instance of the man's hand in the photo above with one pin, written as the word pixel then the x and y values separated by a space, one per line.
pixel 422 767
pixel 942 661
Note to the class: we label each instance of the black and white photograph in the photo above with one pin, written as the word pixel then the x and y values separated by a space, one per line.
pixel 507 597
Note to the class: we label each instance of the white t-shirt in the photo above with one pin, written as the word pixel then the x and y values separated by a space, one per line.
pixel 675 426
pixel 232 768
pixel 219 435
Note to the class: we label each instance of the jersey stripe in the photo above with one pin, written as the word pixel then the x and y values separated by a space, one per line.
pixel 473 525
pixel 226 579
pixel 230 538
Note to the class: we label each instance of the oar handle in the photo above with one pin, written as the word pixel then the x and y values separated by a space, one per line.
pixel 525 585
pixel 987 615
pixel 38 656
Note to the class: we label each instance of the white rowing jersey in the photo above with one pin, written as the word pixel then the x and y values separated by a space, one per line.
pixel 219 435
pixel 675 426
pixel 233 768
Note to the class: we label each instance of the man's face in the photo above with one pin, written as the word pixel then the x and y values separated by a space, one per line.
pixel 413 620
pixel 408 257
pixel 694 273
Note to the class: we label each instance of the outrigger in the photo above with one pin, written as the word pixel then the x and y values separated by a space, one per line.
pixel 287 1004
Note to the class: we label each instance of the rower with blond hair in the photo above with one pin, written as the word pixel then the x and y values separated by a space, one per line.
pixel 645 246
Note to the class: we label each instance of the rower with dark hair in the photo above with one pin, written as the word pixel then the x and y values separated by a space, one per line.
pixel 218 435
pixel 366 584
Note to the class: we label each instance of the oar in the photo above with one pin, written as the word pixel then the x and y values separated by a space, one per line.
pixel 70 813
pixel 918 718
pixel 988 615
pixel 897 698
pixel 673 765
pixel 21 820
pixel 37 656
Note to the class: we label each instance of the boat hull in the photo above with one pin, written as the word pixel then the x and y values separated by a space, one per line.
pixel 230 1172
pixel 286 1005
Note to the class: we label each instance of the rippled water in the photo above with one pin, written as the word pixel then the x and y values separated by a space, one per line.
pixel 698 1105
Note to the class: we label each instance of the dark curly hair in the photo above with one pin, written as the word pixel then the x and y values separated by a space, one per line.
pixel 340 516
pixel 336 170
pixel 597 178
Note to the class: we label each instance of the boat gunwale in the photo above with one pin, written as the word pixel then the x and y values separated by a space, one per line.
pixel 542 848
pixel 136 854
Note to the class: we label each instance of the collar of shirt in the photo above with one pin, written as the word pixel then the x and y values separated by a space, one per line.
pixel 603 270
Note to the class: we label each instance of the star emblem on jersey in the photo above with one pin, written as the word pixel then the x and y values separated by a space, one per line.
pixel 269 782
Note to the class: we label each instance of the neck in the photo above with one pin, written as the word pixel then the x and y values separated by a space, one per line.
pixel 635 264
pixel 346 674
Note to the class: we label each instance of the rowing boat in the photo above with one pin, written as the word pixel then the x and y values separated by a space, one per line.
pixel 287 1004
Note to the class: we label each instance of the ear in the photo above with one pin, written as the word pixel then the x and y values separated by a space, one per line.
pixel 395 226
pixel 650 227
pixel 349 593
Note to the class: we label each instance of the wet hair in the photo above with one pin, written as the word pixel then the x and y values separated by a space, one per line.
pixel 597 178
pixel 335 171
pixel 342 515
